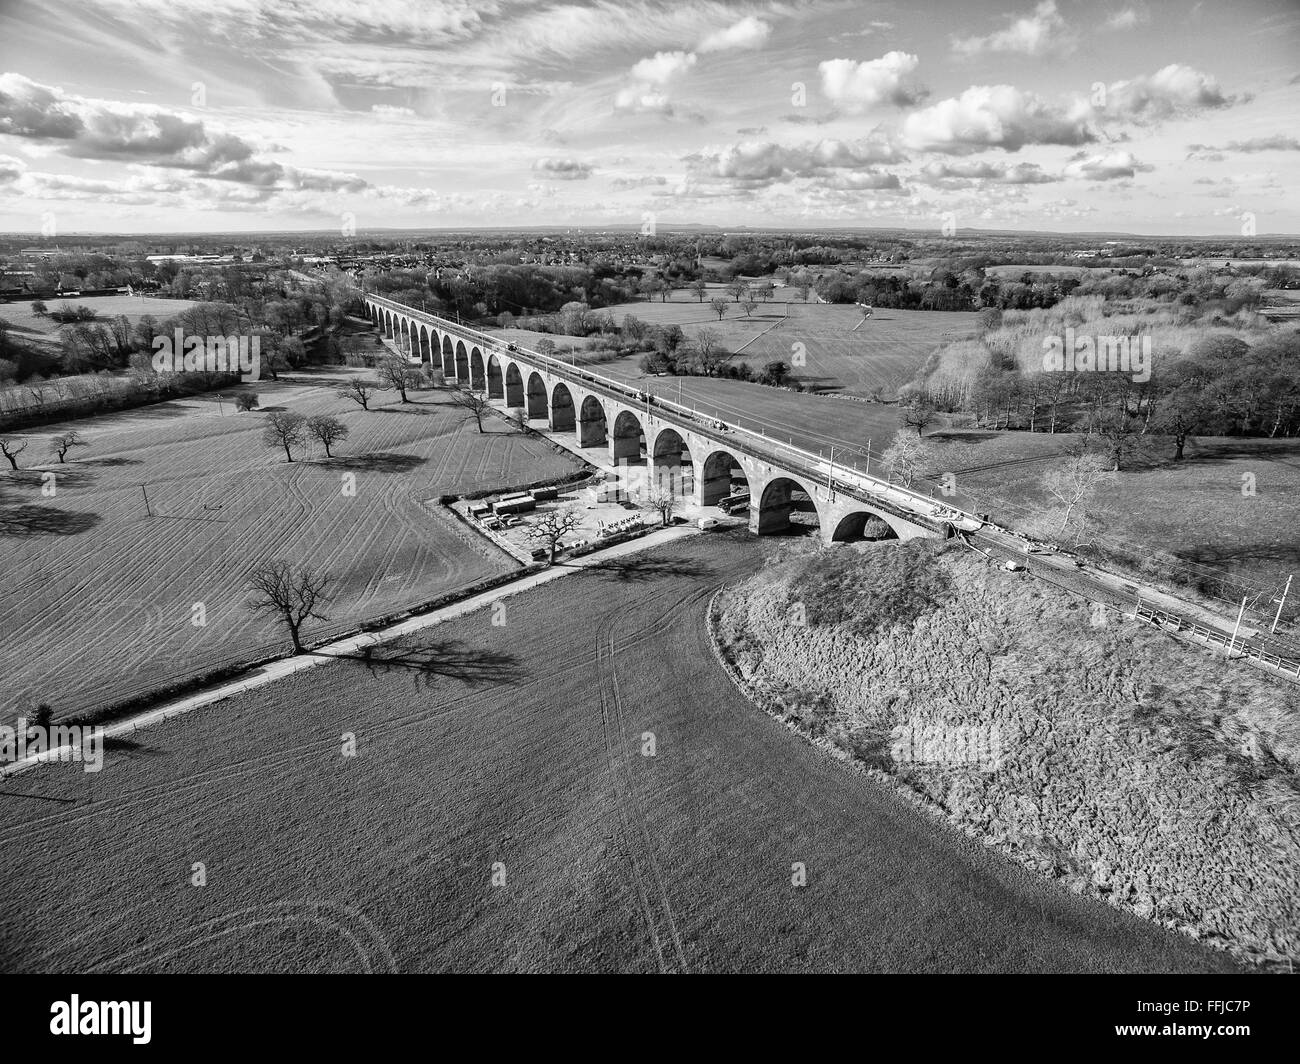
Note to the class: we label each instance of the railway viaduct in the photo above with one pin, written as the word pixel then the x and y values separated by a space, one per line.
pixel 654 444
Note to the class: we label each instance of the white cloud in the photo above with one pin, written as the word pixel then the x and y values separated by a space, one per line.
pixel 748 33
pixel 663 67
pixel 1171 92
pixel 1105 167
pixel 758 163
pixel 994 116
pixel 1041 33
pixel 858 86
pixel 1127 18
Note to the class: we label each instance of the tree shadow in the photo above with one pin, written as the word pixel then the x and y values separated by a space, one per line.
pixel 642 567
pixel 447 658
pixel 114 461
pixel 36 520
pixel 420 410
pixel 379 462
pixel 68 476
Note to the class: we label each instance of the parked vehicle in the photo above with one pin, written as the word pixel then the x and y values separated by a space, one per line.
pixel 707 524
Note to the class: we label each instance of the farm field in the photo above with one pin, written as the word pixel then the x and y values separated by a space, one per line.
pixel 1193 509
pixel 515 751
pixel 840 355
pixel 26 324
pixel 100 597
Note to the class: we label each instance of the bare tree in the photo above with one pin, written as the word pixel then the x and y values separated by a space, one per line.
pixel 64 442
pixel 749 306
pixel 284 429
pixel 359 391
pixel 699 286
pixel 327 430
pixel 396 372
pixel 471 402
pixel 904 458
pixel 1074 484
pixel 549 528
pixel 11 449
pixel 737 288
pixel 708 346
pixel 665 503
pixel 719 307
pixel 294 595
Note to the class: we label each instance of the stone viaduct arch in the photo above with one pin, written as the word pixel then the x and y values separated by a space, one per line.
pixel 693 464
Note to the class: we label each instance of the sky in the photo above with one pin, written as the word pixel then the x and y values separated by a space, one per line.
pixel 1150 117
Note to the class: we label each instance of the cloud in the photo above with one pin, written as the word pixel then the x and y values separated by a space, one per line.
pixel 858 86
pixel 1255 144
pixel 966 173
pixel 754 164
pixel 1041 33
pixel 748 33
pixel 563 169
pixel 1127 18
pixel 1105 167
pixel 103 130
pixel 1173 91
pixel 638 182
pixel 663 67
pixel 994 116
pixel 648 79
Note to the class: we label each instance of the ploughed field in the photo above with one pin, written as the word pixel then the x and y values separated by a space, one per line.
pixel 99 599
pixel 501 814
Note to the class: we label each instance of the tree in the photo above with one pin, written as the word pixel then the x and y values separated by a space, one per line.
pixel 396 372
pixel 719 307
pixel 474 404
pixel 1074 483
pixel 749 306
pixel 64 442
pixel 904 458
pixel 294 595
pixel 359 391
pixel 917 414
pixel 39 308
pixel 711 353
pixel 699 286
pixel 327 429
pixel 737 288
pixel 546 346
pixel 1118 431
pixel 284 429
pixel 246 401
pixel 775 373
pixel 550 528
pixel 11 449
pixel 665 501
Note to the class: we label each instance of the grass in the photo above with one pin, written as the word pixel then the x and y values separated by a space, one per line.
pixel 102 597
pixel 1128 766
pixel 28 325
pixel 1193 513
pixel 839 352
pixel 516 749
